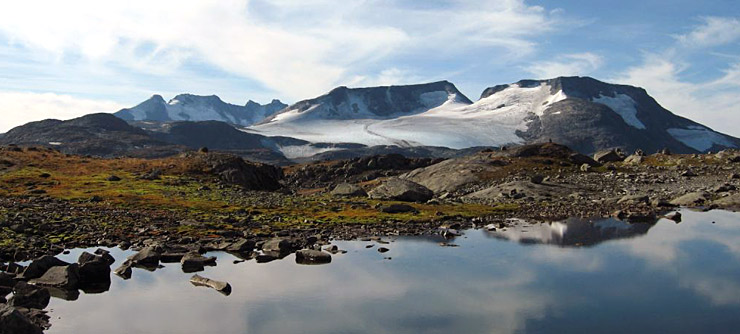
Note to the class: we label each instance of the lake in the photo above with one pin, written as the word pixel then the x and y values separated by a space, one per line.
pixel 576 276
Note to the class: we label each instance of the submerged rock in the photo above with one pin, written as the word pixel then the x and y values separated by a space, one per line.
pixel 312 256
pixel 222 287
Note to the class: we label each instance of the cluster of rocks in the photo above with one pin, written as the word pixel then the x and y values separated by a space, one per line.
pixel 33 286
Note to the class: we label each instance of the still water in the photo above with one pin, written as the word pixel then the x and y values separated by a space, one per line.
pixel 570 277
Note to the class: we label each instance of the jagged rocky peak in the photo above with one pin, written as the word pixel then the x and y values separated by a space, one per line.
pixel 375 102
pixel 190 107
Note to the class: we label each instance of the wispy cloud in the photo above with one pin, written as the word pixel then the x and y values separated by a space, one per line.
pixel 296 49
pixel 715 101
pixel 566 65
pixel 713 31
pixel 18 108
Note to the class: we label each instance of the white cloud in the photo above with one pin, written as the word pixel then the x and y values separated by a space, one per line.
pixel 713 31
pixel 566 65
pixel 19 108
pixel 297 49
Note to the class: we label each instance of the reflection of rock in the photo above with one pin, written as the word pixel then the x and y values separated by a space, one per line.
pixel 13 322
pixel 571 232
pixel 29 296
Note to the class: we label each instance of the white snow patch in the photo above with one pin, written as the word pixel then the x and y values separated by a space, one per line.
pixel 699 138
pixel 624 106
pixel 299 151
pixel 55 143
pixel 492 121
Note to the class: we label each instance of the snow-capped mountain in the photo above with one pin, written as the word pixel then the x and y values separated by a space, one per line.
pixel 581 112
pixel 188 107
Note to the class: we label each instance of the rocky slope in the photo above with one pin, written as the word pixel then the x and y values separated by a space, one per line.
pixel 188 107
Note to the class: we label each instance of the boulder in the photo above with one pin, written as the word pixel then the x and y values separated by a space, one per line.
pixel 66 277
pixel 193 262
pixel 312 256
pixel 29 296
pixel 241 246
pixel 608 156
pixel 93 268
pixel 634 159
pixel 38 267
pixel 277 246
pixel 731 201
pixel 124 271
pixel 6 282
pixel 13 321
pixel 106 255
pixel 691 199
pixel 146 257
pixel 401 190
pixel 222 287
pixel 348 190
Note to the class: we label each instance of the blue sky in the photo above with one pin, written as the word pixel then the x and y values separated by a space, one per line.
pixel 61 59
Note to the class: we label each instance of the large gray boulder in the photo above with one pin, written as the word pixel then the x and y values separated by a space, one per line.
pixel 608 156
pixel 401 190
pixel 13 321
pixel 691 199
pixel 277 246
pixel 148 256
pixel 66 277
pixel 38 267
pixel 522 189
pixel 348 190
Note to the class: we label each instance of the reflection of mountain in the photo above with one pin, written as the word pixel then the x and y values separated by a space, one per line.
pixel 571 232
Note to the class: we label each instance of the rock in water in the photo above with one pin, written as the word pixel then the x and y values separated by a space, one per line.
pixel 401 190
pixel 93 268
pixel 38 267
pixel 193 262
pixel 312 256
pixel 66 277
pixel 13 322
pixel 124 271
pixel 29 296
pixel 146 257
pixel 222 287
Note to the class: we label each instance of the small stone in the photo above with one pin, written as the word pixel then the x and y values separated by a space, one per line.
pixel 383 249
pixel 113 178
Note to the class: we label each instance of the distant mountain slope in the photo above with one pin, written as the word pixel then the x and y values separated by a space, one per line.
pixel 95 134
pixel 581 112
pixel 188 107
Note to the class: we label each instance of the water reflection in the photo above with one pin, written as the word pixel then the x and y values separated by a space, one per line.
pixel 681 278
pixel 571 232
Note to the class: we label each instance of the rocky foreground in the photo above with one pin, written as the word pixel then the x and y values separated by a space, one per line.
pixel 176 209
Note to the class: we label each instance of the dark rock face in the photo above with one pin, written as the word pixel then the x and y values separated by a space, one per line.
pixel 29 296
pixel 588 126
pixel 401 190
pixel 40 266
pixel 93 268
pixel 234 170
pixel 398 208
pixel 376 102
pixel 13 322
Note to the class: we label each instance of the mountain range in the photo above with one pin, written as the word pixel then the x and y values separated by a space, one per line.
pixel 433 119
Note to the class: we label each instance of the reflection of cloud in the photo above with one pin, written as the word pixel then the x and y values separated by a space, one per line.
pixel 485 285
pixel 665 250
